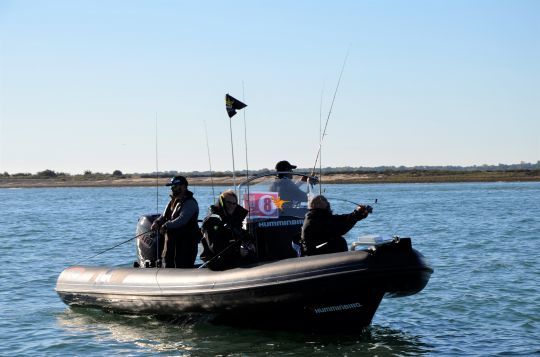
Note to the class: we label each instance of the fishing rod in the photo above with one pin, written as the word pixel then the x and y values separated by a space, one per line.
pixel 354 203
pixel 209 161
pixel 157 170
pixel 247 171
pixel 119 244
pixel 157 187
pixel 245 133
pixel 320 139
pixel 220 254
pixel 330 110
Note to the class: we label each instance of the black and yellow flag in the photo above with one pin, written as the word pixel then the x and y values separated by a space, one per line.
pixel 232 105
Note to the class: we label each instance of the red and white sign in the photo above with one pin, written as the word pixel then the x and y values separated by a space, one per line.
pixel 261 204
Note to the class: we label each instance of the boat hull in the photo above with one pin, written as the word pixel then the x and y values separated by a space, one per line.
pixel 338 287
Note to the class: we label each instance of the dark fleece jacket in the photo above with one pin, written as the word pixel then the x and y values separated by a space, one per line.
pixel 325 230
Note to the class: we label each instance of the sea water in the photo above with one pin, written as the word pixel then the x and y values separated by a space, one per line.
pixel 482 239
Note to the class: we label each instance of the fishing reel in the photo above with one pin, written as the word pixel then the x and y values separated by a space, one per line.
pixel 363 213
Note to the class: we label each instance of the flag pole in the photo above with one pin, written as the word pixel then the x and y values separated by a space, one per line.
pixel 232 153
pixel 232 105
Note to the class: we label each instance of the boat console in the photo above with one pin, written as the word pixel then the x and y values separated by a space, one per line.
pixel 277 204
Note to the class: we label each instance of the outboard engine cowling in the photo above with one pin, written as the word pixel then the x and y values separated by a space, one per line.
pixel 149 243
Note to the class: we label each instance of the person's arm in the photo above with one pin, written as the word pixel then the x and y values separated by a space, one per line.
pixel 344 222
pixel 294 193
pixel 158 222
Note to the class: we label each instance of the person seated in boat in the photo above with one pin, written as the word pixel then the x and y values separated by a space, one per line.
pixel 225 244
pixel 287 189
pixel 178 224
pixel 323 231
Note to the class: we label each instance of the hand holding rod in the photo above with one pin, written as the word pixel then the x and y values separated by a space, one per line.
pixel 217 256
pixel 238 238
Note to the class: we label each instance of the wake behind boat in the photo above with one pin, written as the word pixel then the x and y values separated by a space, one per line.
pixel 342 289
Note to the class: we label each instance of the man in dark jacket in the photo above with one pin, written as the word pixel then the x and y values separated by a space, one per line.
pixel 223 234
pixel 322 231
pixel 179 225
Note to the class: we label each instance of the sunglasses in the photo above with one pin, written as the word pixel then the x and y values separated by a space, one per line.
pixel 234 203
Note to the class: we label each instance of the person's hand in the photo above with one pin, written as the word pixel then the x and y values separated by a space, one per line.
pixel 362 211
pixel 247 249
pixel 155 226
pixel 163 229
pixel 312 180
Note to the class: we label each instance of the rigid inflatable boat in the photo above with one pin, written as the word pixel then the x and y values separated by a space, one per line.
pixel 341 288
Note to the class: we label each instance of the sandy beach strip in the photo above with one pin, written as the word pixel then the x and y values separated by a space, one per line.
pixel 361 178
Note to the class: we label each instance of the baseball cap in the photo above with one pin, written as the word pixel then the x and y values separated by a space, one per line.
pixel 284 166
pixel 177 180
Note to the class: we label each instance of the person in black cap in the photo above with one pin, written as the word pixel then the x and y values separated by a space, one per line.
pixel 178 224
pixel 286 188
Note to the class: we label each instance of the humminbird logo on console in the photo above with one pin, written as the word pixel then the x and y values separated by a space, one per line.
pixel 291 222
pixel 337 308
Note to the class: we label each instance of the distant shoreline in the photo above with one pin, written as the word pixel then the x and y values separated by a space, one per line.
pixel 360 178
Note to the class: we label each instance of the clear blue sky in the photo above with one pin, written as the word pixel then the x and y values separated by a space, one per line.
pixel 426 83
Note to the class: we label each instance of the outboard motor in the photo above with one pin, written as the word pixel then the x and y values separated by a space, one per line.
pixel 147 242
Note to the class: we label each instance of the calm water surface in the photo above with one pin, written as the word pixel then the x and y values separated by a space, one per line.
pixel 482 239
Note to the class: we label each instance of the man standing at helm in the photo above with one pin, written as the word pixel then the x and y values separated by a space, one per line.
pixel 178 224
pixel 285 186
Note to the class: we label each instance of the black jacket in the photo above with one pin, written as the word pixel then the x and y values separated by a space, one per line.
pixel 322 231
pixel 180 218
pixel 220 230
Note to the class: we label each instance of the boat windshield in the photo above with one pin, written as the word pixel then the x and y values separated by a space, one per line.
pixel 272 196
